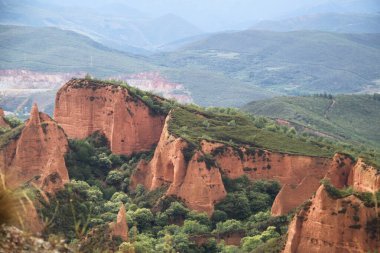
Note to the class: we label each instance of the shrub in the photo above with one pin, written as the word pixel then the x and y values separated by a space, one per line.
pixel 334 192
pixel 13 121
pixel 144 218
pixel 115 177
pixel 236 205
pixel 192 227
pixel 229 226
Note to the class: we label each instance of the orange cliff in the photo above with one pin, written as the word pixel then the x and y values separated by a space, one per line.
pixel 293 195
pixel 36 156
pixel 191 181
pixel 201 187
pixel 3 123
pixel 347 224
pixel 82 107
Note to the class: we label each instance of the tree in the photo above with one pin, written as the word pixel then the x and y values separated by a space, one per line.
pixel 176 211
pixel 120 197
pixel 114 177
pixel 145 244
pixel 228 226
pixel 165 244
pixel 144 218
pixel 269 233
pixel 218 216
pixel 194 227
pixel 202 218
pixel 181 242
pixel 248 244
pixel 236 205
pixel 259 201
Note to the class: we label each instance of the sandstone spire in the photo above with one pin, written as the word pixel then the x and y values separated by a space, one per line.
pixel 120 228
pixel 34 115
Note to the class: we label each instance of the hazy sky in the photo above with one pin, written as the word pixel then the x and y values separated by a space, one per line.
pixel 215 15
pixel 209 15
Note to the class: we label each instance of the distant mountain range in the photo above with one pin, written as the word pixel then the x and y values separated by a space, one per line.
pixel 330 22
pixel 294 63
pixel 62 51
pixel 144 26
pixel 225 69
pixel 115 25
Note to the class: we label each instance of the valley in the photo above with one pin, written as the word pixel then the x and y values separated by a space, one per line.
pixel 232 126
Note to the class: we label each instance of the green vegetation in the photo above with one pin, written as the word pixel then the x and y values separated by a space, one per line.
pixel 62 51
pixel 13 121
pixel 10 134
pixel 369 199
pixel 236 128
pixel 91 160
pixel 157 104
pixel 349 117
pixel 245 198
pixel 81 211
pixel 308 62
pixel 350 122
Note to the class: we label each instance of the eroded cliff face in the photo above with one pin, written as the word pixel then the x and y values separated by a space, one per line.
pixel 82 108
pixel 36 156
pixel 328 224
pixel 299 175
pixel 200 185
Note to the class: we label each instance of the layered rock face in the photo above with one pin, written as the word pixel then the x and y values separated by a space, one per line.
pixel 200 185
pixel 298 175
pixel 36 156
pixel 293 195
pixel 346 224
pixel 83 108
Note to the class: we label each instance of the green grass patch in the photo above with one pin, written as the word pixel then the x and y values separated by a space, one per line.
pixel 188 123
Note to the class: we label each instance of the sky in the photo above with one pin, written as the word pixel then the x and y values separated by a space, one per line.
pixel 215 15
pixel 208 15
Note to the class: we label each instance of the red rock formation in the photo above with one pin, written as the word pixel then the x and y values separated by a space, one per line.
pixel 36 155
pixel 191 181
pixel 299 175
pixel 83 108
pixel 120 228
pixel 338 225
pixel 364 178
pixel 201 187
pixel 2 121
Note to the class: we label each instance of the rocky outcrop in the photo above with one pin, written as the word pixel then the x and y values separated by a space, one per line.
pixel 364 178
pixel 299 175
pixel 200 187
pixel 331 224
pixel 36 156
pixel 3 123
pixel 120 227
pixel 83 107
pixel 199 183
